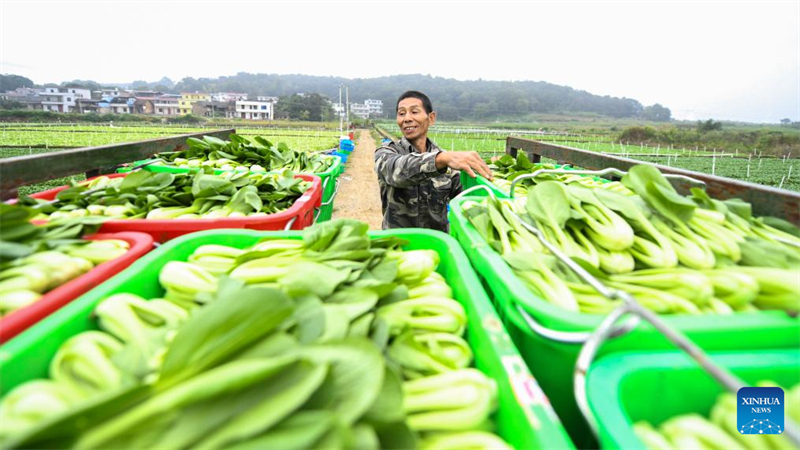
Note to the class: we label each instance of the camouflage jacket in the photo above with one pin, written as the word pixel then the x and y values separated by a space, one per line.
pixel 413 193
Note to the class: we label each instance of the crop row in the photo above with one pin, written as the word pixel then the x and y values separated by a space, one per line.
pixel 86 136
pixel 775 172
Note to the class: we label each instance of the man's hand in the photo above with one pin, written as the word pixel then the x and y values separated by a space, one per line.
pixel 469 162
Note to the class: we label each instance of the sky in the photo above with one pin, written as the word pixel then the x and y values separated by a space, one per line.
pixel 721 60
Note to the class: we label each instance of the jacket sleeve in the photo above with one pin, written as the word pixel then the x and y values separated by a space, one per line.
pixel 402 171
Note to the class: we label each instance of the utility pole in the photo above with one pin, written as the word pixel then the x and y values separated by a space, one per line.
pixel 347 100
pixel 341 116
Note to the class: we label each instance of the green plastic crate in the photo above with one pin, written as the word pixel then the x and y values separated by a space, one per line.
pixel 524 418
pixel 552 363
pixel 329 190
pixel 628 387
pixel 328 178
pixel 468 182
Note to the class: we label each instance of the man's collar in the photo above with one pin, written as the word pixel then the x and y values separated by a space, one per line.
pixel 430 146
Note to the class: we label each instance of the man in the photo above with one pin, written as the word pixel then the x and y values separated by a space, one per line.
pixel 417 178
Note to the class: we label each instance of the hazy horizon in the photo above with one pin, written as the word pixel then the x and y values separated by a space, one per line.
pixel 735 61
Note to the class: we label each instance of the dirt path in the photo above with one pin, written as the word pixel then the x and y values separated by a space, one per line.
pixel 359 196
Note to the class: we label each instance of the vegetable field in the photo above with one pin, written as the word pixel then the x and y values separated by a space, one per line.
pixel 50 136
pixel 31 139
pixel 50 184
pixel 775 172
pixel 740 165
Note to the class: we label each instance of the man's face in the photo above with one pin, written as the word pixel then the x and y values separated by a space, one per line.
pixel 412 118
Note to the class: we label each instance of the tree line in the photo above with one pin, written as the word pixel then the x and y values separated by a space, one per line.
pixel 452 99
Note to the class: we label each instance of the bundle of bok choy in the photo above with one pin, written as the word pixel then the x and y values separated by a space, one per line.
pixel 35 259
pixel 159 195
pixel 242 153
pixel 675 254
pixel 246 350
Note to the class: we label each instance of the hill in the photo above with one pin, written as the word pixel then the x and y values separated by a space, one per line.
pixel 453 99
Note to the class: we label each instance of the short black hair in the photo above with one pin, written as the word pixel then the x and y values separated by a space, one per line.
pixel 426 102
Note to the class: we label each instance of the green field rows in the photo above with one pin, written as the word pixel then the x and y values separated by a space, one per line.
pixel 27 139
pixel 31 139
pixel 71 136
pixel 494 143
pixel 773 172
pixel 38 187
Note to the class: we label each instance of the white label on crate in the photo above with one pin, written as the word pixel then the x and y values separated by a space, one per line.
pixel 526 390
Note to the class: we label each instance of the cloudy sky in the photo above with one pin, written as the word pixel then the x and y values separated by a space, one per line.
pixel 722 60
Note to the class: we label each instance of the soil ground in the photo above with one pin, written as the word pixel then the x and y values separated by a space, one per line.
pixel 359 195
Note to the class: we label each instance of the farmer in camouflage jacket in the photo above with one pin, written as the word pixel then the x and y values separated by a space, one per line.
pixel 416 185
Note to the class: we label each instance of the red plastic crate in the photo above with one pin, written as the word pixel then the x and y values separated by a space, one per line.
pixel 18 321
pixel 301 214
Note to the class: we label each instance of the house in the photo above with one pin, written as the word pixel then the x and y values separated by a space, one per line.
pixel 167 105
pixel 106 93
pixel 116 105
pixel 27 96
pixel 264 98
pixel 188 99
pixel 87 105
pixel 214 109
pixel 144 105
pixel 359 110
pixel 228 96
pixel 21 94
pixel 338 108
pixel 62 99
pixel 122 105
pixel 255 110
pixel 144 101
pixel 375 107
pixel 160 104
pixel 78 92
pixel 53 100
